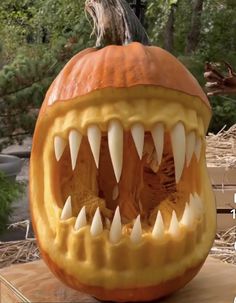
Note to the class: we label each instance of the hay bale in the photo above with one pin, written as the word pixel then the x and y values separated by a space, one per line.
pixel 221 148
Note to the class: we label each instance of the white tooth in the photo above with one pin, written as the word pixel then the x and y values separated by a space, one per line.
pixel 115 192
pixel 137 131
pixel 74 142
pixel 158 139
pixel 94 138
pixel 59 147
pixel 187 218
pixel 174 225
pixel 81 219
pixel 158 229
pixel 115 143
pixel 67 210
pixel 178 147
pixel 198 147
pixel 116 227
pixel 190 145
pixel 96 226
pixel 136 233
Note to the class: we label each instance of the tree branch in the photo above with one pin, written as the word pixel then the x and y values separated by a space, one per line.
pixel 218 83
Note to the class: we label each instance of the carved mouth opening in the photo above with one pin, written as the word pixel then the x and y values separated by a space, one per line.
pixel 131 181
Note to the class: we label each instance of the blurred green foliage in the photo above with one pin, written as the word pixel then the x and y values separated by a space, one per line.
pixel 217 43
pixel 10 191
pixel 39 36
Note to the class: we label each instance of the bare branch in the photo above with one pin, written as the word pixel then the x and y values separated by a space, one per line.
pixel 217 83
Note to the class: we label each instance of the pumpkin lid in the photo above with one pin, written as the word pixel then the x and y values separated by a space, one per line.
pixel 122 59
pixel 122 67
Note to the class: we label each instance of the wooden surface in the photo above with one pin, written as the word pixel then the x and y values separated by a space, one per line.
pixel 222 175
pixel 225 197
pixel 32 282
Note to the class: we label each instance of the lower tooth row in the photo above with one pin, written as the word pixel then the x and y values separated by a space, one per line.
pixel 193 211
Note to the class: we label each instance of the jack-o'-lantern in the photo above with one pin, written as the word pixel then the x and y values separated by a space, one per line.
pixel 121 201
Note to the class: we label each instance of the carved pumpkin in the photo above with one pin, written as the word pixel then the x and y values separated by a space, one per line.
pixel 121 201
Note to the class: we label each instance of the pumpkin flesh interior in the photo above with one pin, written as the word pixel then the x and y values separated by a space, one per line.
pixel 144 187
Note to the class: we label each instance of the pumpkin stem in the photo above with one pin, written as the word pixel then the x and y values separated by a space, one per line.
pixel 115 23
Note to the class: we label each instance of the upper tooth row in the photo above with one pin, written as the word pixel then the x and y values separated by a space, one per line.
pixel 193 210
pixel 183 145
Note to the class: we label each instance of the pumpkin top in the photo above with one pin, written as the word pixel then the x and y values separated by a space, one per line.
pixel 122 67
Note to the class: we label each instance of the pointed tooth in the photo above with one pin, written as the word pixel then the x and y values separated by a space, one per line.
pixel 198 147
pixel 137 132
pixel 116 227
pixel 115 143
pixel 74 142
pixel 158 139
pixel 158 229
pixel 94 138
pixel 81 219
pixel 96 226
pixel 174 225
pixel 136 233
pixel 115 192
pixel 178 147
pixel 187 218
pixel 67 209
pixel 59 147
pixel 190 145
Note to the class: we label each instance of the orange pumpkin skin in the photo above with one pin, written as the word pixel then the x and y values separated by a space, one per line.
pixel 122 67
pixel 122 73
pixel 125 295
